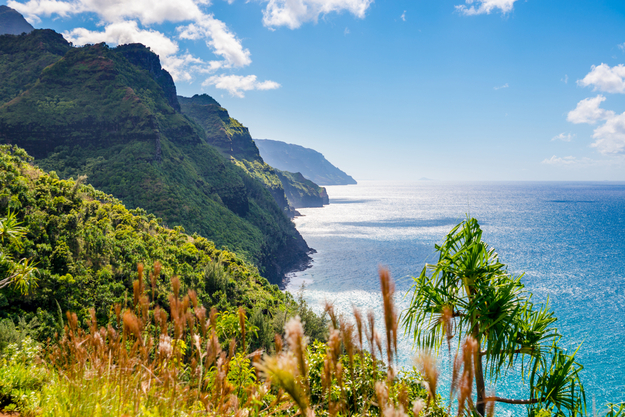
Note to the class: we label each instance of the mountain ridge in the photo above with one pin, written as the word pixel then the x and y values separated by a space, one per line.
pixel 107 113
pixel 309 162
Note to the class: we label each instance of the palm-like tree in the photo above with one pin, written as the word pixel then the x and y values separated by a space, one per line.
pixel 469 294
pixel 23 274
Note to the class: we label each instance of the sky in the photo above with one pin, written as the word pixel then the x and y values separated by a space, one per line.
pixel 478 90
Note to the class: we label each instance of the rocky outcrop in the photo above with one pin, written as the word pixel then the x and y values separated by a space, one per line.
pixel 141 56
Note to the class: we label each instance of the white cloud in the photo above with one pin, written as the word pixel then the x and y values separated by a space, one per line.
pixel 35 8
pixel 220 40
pixel 237 84
pixel 569 161
pixel 501 86
pixel 565 80
pixel 621 47
pixel 564 137
pixel 122 33
pixel 293 13
pixel 146 11
pixel 610 137
pixel 604 78
pixel 346 31
pixel 588 111
pixel 121 19
pixel 485 7
pixel 403 16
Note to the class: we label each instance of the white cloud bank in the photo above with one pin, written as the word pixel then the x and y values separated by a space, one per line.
pixel 128 21
pixel 121 19
pixel 475 7
pixel 293 13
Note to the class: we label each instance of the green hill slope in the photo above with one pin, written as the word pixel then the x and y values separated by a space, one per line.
pixel 86 246
pixel 108 114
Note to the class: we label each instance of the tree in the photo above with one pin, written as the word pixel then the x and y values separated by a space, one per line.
pixel 23 273
pixel 469 295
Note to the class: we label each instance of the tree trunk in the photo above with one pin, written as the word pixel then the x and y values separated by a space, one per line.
pixel 480 387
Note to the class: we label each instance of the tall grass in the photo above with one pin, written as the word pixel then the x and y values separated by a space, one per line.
pixel 149 361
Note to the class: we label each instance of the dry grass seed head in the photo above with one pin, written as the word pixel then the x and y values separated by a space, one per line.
pixel 427 366
pixel 359 325
pixel 390 314
pixel 418 406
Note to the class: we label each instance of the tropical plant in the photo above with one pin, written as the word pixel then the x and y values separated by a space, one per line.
pixel 22 274
pixel 470 295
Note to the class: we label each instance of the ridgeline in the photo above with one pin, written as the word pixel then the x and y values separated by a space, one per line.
pixel 113 115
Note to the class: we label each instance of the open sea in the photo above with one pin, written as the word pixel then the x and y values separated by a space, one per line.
pixel 567 237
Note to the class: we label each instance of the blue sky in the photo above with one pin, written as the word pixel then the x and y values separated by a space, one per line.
pixel 449 90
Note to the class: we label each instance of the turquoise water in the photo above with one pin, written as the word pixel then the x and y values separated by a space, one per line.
pixel 568 238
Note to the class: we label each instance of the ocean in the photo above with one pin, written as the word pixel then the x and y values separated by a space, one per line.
pixel 568 238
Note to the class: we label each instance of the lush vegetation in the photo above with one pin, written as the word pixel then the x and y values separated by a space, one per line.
pixel 85 246
pixel 23 57
pixel 107 114
pixel 123 316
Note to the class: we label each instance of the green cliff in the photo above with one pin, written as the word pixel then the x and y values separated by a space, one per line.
pixel 233 139
pixel 110 114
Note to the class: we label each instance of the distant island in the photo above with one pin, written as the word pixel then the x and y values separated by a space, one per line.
pixel 295 158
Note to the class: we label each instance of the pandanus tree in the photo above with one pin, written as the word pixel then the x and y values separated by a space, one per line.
pixel 469 297
pixel 21 274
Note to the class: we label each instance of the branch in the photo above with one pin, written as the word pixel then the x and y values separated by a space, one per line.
pixel 513 401
pixel 528 351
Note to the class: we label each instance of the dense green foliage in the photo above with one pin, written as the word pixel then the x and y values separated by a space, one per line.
pixel 107 114
pixel 23 57
pixel 86 246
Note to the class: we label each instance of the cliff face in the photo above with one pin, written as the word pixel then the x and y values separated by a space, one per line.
pixel 221 130
pixel 142 57
pixel 310 163
pixel 233 139
pixel 110 114
pixel 12 22
pixel 302 192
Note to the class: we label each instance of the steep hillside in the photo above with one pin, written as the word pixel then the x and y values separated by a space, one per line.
pixel 108 114
pixel 23 57
pixel 12 22
pixel 86 247
pixel 234 140
pixel 310 163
